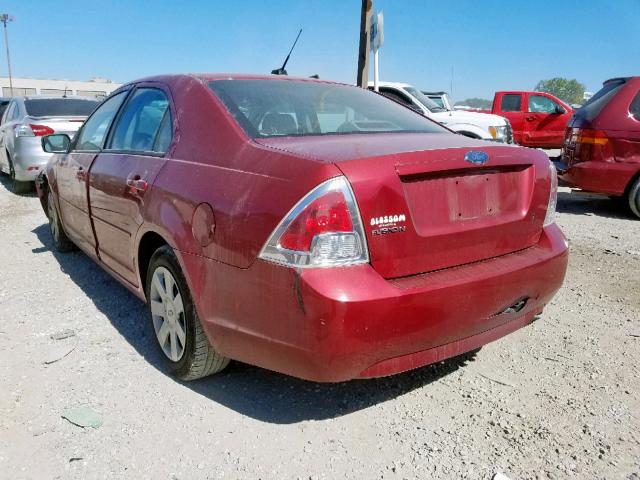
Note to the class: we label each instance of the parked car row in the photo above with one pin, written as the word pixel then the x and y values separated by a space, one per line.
pixel 305 226
pixel 315 228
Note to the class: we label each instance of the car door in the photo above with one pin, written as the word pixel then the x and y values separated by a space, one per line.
pixel 511 107
pixel 123 173
pixel 546 121
pixel 72 168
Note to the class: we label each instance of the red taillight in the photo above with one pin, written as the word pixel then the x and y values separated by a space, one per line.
pixel 592 137
pixel 326 214
pixel 41 130
pixel 589 145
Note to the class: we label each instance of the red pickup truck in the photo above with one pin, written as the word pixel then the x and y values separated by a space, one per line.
pixel 538 119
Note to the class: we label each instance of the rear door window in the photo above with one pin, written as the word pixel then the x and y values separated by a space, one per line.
pixel 9 113
pixel 511 103
pixel 634 108
pixel 541 104
pixel 139 125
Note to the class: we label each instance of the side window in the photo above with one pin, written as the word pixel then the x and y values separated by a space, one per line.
pixel 634 108
pixel 9 112
pixel 139 125
pixel 541 104
pixel 398 97
pixel 15 114
pixel 165 135
pixel 511 103
pixel 94 131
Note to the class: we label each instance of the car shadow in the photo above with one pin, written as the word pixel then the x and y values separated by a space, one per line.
pixel 5 183
pixel 580 203
pixel 258 393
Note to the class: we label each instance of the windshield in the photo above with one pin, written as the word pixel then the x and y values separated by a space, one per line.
pixel 271 108
pixel 424 100
pixel 59 107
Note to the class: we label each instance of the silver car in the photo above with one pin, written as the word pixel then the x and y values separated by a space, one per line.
pixel 24 122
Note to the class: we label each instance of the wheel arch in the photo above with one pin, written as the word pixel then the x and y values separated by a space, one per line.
pixel 149 242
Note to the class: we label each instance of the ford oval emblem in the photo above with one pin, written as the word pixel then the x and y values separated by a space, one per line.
pixel 476 157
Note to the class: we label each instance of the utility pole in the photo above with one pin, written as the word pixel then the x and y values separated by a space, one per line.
pixel 4 18
pixel 363 53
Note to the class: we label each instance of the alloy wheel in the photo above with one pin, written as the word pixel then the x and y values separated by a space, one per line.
pixel 167 312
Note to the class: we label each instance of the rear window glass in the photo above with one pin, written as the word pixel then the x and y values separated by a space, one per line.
pixel 601 99
pixel 634 108
pixel 271 108
pixel 63 107
pixel 511 103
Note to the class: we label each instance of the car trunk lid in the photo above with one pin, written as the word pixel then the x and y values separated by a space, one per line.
pixel 429 209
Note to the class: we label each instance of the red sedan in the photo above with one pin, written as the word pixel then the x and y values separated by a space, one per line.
pixel 308 227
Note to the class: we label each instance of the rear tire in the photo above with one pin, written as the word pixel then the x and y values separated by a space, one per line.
pixel 60 239
pixel 176 327
pixel 633 197
pixel 16 186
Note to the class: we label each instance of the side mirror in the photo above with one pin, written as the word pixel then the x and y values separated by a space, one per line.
pixel 559 110
pixel 58 143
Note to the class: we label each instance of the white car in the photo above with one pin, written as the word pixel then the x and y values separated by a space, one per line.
pixel 472 124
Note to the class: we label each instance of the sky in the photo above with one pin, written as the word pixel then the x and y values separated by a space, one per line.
pixel 491 45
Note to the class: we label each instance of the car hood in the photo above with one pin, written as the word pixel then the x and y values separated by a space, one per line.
pixel 475 118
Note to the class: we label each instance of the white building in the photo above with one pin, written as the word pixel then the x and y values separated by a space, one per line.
pixel 96 87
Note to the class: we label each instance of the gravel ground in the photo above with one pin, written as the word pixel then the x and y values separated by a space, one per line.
pixel 556 399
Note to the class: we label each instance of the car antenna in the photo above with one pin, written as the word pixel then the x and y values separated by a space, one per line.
pixel 281 70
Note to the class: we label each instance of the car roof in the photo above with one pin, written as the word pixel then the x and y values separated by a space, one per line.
pixel 207 77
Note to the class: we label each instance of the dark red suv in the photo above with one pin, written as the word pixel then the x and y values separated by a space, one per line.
pixel 602 143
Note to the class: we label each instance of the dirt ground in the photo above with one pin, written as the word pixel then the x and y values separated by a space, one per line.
pixel 557 399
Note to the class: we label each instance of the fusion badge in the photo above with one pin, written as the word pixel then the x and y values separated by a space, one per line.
pixel 388 224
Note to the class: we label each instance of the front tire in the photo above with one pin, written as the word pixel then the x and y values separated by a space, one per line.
pixel 175 323
pixel 633 197
pixel 60 239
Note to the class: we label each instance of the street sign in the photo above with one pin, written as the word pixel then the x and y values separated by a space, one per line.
pixel 377 31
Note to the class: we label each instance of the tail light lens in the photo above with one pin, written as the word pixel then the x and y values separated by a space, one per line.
pixel 590 145
pixel 550 217
pixel 324 229
pixel 32 130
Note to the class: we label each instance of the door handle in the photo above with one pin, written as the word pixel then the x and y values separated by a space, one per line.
pixel 530 118
pixel 137 185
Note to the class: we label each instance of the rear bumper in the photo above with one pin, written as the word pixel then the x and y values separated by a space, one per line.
pixel 28 158
pixel 343 323
pixel 606 177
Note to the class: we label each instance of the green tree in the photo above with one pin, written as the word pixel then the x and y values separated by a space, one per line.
pixel 476 103
pixel 571 91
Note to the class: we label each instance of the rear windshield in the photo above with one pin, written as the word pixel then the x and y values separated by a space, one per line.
pixel 595 104
pixel 59 107
pixel 272 108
